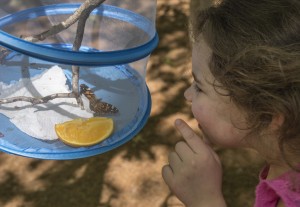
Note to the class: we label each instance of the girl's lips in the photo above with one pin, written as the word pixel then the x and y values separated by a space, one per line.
pixel 199 126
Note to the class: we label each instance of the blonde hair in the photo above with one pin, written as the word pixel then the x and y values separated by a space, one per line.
pixel 256 58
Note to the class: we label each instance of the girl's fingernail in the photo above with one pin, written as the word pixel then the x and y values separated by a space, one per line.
pixel 178 122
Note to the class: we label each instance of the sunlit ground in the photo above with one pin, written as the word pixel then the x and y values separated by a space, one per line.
pixel 130 176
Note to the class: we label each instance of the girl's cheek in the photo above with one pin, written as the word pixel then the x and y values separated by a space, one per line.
pixel 197 112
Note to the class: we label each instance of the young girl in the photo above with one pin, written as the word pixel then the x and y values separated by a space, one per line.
pixel 246 93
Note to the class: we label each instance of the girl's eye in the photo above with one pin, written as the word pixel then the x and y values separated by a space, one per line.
pixel 196 88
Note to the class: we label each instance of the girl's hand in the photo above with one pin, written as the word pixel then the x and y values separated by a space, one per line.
pixel 194 173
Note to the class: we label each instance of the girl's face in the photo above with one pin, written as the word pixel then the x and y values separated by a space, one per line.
pixel 220 121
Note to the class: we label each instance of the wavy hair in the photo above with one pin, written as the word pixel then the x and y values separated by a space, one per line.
pixel 256 59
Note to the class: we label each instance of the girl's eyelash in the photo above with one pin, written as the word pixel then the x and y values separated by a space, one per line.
pixel 197 89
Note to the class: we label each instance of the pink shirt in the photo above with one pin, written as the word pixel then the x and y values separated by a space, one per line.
pixel 285 187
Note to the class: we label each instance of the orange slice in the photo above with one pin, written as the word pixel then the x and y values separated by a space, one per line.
pixel 84 132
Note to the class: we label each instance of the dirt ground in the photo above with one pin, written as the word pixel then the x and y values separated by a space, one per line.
pixel 130 176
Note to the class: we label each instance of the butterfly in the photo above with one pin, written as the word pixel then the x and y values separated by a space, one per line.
pixel 96 105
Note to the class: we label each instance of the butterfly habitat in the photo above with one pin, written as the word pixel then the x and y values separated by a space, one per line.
pixel 64 60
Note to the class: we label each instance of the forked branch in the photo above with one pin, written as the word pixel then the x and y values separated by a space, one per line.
pixel 85 9
pixel 80 15
pixel 35 101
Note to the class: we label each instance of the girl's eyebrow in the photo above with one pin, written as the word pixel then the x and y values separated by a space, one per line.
pixel 196 79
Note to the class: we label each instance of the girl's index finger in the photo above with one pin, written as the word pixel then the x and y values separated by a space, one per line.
pixel 192 139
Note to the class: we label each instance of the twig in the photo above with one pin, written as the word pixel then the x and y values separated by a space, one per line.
pixel 4 52
pixel 35 101
pixel 76 46
pixel 86 8
pixel 81 15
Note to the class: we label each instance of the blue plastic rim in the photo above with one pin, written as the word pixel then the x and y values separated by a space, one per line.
pixel 88 152
pixel 80 58
pixel 14 141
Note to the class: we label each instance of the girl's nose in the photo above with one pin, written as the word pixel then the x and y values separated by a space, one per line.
pixel 188 94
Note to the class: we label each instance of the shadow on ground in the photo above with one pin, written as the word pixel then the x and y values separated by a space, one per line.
pixel 130 174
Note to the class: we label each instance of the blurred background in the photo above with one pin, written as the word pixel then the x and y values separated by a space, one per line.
pixel 130 176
